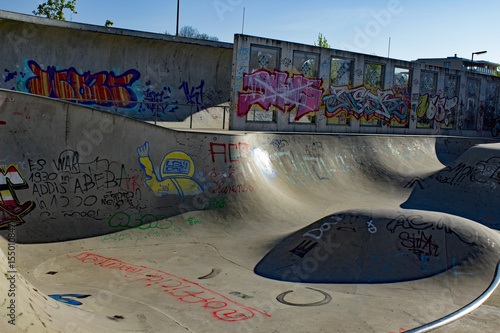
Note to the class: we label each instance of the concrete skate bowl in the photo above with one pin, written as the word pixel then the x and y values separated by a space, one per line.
pixel 112 224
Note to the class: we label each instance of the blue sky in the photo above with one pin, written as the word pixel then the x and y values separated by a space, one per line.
pixel 417 28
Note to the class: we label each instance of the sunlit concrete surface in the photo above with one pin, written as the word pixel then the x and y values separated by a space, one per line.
pixel 124 226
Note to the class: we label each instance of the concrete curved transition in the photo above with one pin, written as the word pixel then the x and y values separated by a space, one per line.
pixel 378 246
pixel 113 225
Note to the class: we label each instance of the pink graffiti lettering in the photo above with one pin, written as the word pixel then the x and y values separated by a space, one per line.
pixel 278 89
pixel 179 288
pixel 364 103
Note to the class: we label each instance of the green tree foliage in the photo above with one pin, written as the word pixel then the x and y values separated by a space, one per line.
pixel 322 42
pixel 54 9
pixel 108 23
pixel 497 70
pixel 190 32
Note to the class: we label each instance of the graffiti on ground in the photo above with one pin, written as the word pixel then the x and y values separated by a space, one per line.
pixel 68 298
pixel 221 307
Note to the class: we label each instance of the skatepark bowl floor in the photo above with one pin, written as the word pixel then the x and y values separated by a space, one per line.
pixel 116 225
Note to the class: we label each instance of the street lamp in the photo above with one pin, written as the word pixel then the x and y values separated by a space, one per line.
pixel 177 30
pixel 472 58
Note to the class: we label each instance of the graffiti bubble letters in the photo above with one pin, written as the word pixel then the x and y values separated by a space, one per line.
pixel 146 221
pixel 175 173
pixel 11 210
pixel 364 103
pixel 222 308
pixel 436 108
pixel 278 89
pixel 70 84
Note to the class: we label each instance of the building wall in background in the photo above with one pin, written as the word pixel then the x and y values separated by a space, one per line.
pixel 79 61
pixel 283 86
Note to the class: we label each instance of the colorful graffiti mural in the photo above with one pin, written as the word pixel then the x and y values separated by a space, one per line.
pixel 115 90
pixel 175 174
pixel 69 84
pixel 435 108
pixel 360 102
pixel 278 89
pixel 11 210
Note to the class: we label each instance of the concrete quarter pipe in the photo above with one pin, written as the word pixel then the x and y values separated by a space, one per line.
pixel 113 225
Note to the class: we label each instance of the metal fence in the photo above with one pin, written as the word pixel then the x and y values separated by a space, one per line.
pixel 195 110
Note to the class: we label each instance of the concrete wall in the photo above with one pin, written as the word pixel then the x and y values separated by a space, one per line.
pixel 69 171
pixel 71 60
pixel 282 86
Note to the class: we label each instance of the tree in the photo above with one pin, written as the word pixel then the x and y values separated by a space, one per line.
pixel 190 32
pixel 322 41
pixel 497 70
pixel 54 9
pixel 108 23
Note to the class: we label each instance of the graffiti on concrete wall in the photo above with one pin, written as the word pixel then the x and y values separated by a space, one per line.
pixel 11 210
pixel 67 186
pixel 361 102
pixel 174 176
pixel 485 173
pixel 278 89
pixel 194 95
pixel 437 108
pixel 271 161
pixel 222 308
pixel 238 175
pixel 69 84
pixel 115 90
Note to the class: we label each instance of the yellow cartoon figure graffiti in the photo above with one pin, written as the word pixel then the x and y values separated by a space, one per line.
pixel 175 175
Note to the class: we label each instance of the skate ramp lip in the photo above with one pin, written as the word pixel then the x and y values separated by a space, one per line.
pixel 466 187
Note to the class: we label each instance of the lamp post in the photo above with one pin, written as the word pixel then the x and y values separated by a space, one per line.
pixel 177 30
pixel 472 58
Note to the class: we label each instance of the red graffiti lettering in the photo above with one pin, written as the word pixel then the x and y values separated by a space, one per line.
pixel 225 309
pixel 234 150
